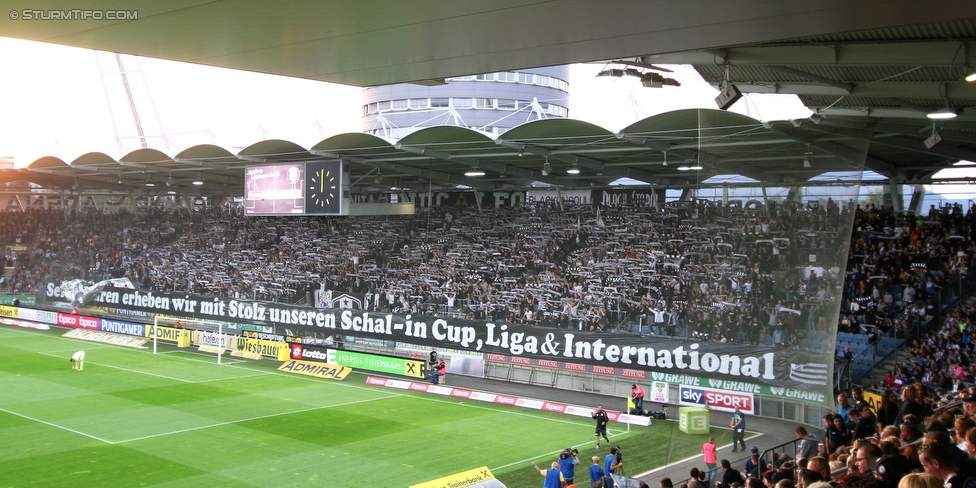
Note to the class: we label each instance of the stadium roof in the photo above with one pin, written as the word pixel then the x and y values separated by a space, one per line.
pixel 870 69
pixel 657 150
pixel 382 42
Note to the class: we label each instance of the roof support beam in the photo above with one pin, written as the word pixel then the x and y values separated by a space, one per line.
pixel 475 162
pixel 412 170
pixel 694 155
pixel 812 77
pixel 584 162
pixel 892 89
pixel 841 151
pixel 910 53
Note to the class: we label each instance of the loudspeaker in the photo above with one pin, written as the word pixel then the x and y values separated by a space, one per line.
pixel 728 96
pixel 934 139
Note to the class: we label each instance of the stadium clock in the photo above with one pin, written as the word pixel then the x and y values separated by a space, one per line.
pixel 323 182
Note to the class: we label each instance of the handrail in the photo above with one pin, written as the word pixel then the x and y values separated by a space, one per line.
pixel 761 456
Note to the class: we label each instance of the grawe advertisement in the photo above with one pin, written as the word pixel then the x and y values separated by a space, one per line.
pixel 783 368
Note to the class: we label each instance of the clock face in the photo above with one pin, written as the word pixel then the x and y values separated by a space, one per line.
pixel 323 184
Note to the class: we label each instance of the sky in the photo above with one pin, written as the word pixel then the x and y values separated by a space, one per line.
pixel 58 104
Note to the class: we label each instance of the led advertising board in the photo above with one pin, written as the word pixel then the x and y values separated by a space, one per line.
pixel 277 189
pixel 293 189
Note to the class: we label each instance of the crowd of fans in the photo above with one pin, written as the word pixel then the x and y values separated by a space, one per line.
pixel 695 269
pixel 701 270
pixel 898 444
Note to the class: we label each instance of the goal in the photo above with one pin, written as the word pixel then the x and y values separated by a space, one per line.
pixel 211 333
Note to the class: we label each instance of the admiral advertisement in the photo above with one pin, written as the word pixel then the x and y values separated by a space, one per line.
pixel 604 353
pixel 724 401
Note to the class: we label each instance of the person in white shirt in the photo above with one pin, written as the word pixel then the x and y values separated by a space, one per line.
pixel 78 360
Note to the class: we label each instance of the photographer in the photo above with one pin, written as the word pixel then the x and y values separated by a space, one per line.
pixel 432 363
pixel 568 459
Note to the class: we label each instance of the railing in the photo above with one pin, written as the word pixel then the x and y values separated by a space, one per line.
pixel 768 456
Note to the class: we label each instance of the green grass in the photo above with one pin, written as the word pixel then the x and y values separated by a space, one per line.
pixel 177 419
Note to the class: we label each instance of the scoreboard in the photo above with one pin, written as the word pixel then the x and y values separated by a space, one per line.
pixel 294 189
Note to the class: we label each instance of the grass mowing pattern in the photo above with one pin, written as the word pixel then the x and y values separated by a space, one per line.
pixel 177 419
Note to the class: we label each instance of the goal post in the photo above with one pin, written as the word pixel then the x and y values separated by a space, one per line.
pixel 178 329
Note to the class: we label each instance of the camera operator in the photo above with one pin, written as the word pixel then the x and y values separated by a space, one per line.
pixel 432 363
pixel 613 462
pixel 568 459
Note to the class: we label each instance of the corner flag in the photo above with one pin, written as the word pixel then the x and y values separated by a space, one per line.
pixel 630 408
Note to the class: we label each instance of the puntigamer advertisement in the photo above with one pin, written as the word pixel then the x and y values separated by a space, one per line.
pixel 773 367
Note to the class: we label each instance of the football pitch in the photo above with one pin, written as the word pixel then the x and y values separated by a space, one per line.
pixel 178 419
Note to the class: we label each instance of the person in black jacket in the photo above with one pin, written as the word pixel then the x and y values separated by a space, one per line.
pixel 911 403
pixel 837 434
pixel 729 475
pixel 867 425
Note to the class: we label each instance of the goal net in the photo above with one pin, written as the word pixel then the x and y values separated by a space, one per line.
pixel 207 335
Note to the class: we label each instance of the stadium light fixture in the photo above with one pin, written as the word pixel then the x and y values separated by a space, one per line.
pixel 475 171
pixel 942 113
pixel 971 76
pixel 197 183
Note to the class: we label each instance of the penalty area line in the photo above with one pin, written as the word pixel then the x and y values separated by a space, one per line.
pixel 56 426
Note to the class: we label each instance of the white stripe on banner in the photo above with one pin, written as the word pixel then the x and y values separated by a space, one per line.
pixel 809 373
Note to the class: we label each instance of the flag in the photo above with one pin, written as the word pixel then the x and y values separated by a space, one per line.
pixel 630 404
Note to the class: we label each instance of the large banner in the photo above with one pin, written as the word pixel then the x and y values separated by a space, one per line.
pixel 771 366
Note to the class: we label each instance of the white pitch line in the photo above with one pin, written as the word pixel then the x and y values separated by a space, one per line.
pixel 551 453
pixel 164 376
pixel 225 362
pixel 422 397
pixel 307 378
pixel 231 422
pixel 56 426
pixel 125 369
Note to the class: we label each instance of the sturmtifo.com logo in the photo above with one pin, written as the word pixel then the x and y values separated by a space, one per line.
pixel 73 14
